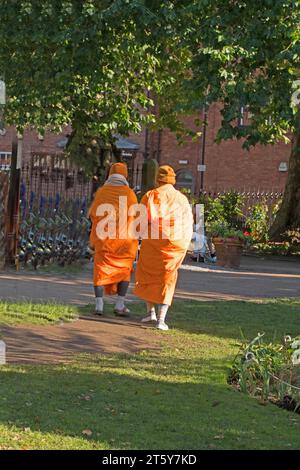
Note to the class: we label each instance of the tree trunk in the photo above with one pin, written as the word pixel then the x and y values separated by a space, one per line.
pixel 288 216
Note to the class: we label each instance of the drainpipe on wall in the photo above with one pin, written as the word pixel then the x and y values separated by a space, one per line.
pixel 146 155
pixel 146 150
pixel 203 147
pixel 159 146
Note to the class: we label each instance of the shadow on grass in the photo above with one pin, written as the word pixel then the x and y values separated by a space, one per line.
pixel 138 402
pixel 226 319
pixel 176 398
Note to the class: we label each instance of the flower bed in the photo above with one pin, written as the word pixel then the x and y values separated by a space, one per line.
pixel 270 372
pixel 274 248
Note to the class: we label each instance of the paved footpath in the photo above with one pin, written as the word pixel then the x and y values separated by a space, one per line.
pixel 257 278
pixel 33 344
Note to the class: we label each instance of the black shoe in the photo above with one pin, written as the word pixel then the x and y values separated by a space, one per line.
pixel 198 259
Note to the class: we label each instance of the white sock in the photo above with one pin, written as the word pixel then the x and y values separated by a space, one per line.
pixel 151 308
pixel 99 304
pixel 120 302
pixel 162 312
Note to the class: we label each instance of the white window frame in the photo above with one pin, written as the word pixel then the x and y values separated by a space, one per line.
pixel 5 166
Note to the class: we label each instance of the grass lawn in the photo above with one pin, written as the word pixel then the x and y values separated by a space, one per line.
pixel 35 313
pixel 176 398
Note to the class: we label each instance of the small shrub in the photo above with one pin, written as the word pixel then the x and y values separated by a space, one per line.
pixel 258 222
pixel 224 231
pixel 269 371
pixel 226 209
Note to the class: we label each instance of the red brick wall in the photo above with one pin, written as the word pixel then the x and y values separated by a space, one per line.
pixel 31 143
pixel 228 166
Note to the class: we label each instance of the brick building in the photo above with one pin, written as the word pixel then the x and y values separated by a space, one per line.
pixel 53 144
pixel 199 165
pixel 227 165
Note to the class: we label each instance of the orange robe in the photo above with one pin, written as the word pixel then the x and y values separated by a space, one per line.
pixel 114 256
pixel 160 259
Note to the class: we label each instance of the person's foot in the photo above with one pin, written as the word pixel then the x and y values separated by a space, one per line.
pixel 99 306
pixel 124 312
pixel 162 326
pixel 151 317
pixel 199 259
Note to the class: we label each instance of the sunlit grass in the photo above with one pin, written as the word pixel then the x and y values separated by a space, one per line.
pixel 173 398
pixel 35 313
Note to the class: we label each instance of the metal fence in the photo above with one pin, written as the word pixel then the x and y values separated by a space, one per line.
pixel 46 185
pixel 135 176
pixel 3 202
pixel 249 198
pixel 54 202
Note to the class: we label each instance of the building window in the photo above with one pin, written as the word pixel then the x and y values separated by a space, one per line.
pixel 5 161
pixel 185 179
pixel 241 119
pixel 245 116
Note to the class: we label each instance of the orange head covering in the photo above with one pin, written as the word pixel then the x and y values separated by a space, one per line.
pixel 166 174
pixel 119 168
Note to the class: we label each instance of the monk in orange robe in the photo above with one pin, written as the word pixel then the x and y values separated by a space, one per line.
pixel 115 250
pixel 170 228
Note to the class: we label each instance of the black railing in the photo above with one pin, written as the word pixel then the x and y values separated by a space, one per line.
pixel 40 184
pixel 249 198
pixel 54 202
pixel 135 176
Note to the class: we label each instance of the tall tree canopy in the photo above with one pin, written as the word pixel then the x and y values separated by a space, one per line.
pixel 246 55
pixel 94 64
pixel 97 64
